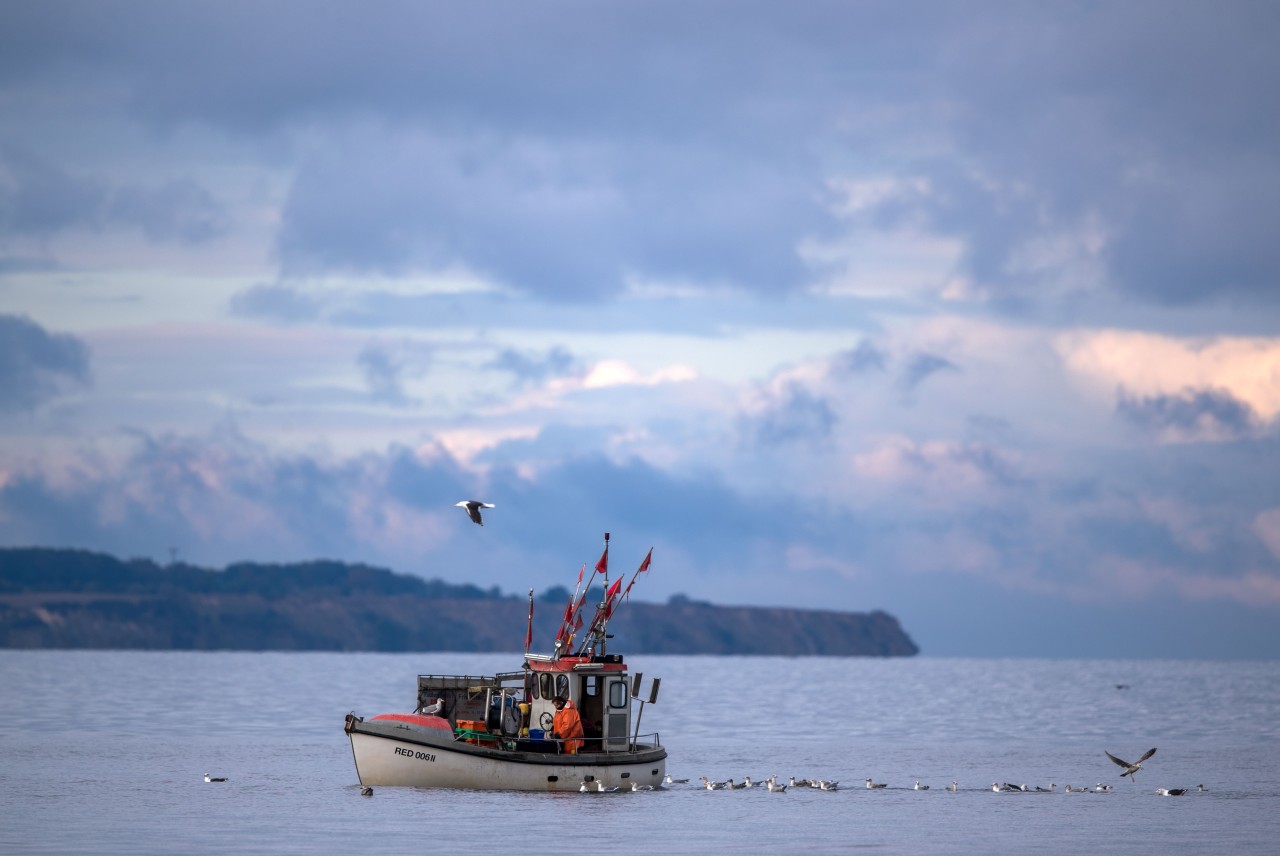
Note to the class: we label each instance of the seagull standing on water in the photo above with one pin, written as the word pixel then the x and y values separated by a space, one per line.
pixel 472 507
pixel 1130 769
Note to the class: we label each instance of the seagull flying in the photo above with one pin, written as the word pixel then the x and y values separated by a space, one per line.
pixel 1130 769
pixel 472 507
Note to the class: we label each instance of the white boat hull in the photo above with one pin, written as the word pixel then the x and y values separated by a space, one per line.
pixel 393 754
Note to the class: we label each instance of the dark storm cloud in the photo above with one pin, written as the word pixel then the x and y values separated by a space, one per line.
pixel 564 147
pixel 36 365
pixel 558 217
pixel 1215 411
pixel 40 197
pixel 1141 120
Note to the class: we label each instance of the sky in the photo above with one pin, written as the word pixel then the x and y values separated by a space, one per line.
pixel 965 312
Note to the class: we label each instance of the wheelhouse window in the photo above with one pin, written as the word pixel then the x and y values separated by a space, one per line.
pixel 562 685
pixel 618 694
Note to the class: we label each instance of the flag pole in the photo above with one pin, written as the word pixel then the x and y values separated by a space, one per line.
pixel 605 620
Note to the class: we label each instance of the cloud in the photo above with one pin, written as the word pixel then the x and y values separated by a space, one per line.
pixel 528 367
pixel 608 373
pixel 37 197
pixel 382 375
pixel 923 366
pixel 275 303
pixel 1151 365
pixel 794 414
pixel 40 198
pixel 35 365
pixel 179 210
pixel 1192 415
pixel 863 358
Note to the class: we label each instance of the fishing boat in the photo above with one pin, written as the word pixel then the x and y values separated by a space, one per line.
pixel 497 732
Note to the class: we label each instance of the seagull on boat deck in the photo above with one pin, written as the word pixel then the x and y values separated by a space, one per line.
pixel 366 791
pixel 1171 792
pixel 1102 789
pixel 1130 769
pixel 954 786
pixel 670 781
pixel 209 778
pixel 872 785
pixel 433 709
pixel 920 787
pixel 472 507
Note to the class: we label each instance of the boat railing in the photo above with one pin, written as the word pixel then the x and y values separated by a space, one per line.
pixel 641 743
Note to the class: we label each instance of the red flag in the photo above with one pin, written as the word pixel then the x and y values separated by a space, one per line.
pixel 602 566
pixel 581 571
pixel 528 635
pixel 644 566
pixel 613 589
pixel 577 621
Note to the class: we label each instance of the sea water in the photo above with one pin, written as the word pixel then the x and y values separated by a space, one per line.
pixel 105 752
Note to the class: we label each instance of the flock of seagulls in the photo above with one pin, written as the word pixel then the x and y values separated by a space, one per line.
pixel 771 784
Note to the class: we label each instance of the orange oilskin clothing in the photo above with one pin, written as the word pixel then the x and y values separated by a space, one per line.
pixel 568 727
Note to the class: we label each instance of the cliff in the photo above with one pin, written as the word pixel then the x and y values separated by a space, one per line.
pixel 75 599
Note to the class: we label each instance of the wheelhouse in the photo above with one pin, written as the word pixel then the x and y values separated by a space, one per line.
pixel 517 706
